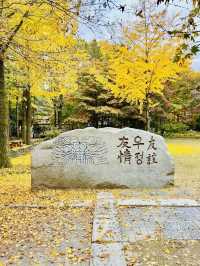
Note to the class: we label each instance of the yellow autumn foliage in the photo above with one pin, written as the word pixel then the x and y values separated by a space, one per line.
pixel 43 53
pixel 131 78
pixel 141 64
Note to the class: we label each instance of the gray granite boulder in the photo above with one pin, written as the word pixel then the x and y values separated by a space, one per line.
pixel 106 157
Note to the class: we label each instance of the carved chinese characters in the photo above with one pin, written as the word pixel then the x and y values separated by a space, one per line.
pixel 124 153
pixel 135 152
pixel 106 157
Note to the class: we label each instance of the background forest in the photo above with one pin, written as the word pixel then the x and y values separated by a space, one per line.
pixel 53 80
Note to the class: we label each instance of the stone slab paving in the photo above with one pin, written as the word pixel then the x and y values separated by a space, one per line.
pixel 107 246
pixel 108 254
pixel 176 223
pixel 161 202
pixel 179 203
pixel 121 222
pixel 136 202
pixel 106 226
pixel 163 253
pixel 120 229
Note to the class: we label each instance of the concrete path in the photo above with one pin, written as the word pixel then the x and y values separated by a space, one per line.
pixel 121 222
pixel 114 232
pixel 106 235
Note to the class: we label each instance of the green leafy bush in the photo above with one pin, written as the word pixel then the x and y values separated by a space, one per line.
pixel 191 134
pixel 197 127
pixel 49 134
pixel 172 128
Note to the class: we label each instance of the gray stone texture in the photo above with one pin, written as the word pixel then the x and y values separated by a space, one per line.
pixel 106 157
pixel 169 223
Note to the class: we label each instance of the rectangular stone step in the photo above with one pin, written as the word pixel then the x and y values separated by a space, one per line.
pixel 161 202
pixel 107 255
pixel 107 249
pixel 105 225
pixel 175 223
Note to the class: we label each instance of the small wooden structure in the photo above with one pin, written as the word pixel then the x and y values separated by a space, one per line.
pixel 15 143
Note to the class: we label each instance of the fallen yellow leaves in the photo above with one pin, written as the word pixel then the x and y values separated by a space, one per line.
pixel 132 261
pixel 162 252
pixel 76 258
pixel 45 233
pixel 35 226
pixel 15 187
pixel 183 149
pixel 104 255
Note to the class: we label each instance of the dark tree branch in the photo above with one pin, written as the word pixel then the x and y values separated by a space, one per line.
pixel 14 31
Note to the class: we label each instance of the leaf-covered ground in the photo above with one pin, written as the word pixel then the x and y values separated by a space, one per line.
pixel 40 227
pixel 15 187
pixel 163 253
pixel 45 236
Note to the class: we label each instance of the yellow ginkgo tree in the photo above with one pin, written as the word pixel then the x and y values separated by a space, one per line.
pixel 33 31
pixel 140 65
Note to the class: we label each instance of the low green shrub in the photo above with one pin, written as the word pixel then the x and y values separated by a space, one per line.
pixel 173 128
pixel 191 134
pixel 197 127
pixel 49 134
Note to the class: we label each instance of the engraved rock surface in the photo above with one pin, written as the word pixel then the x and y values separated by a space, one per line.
pixel 105 157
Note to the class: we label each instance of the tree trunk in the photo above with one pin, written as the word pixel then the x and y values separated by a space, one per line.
pixel 148 118
pixel 9 120
pixel 59 118
pixel 95 120
pixel 59 110
pixel 4 160
pixel 55 116
pixel 17 117
pixel 24 117
pixel 28 116
pixel 55 112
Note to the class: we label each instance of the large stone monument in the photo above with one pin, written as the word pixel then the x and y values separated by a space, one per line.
pixel 105 157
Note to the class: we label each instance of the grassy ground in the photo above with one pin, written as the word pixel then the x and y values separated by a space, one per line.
pixel 186 153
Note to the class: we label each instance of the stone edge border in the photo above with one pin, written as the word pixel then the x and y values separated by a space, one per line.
pixel 107 247
pixel 158 203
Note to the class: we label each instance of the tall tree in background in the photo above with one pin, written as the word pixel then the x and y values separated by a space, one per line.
pixel 43 24
pixel 187 28
pixel 95 100
pixel 140 66
pixel 183 97
pixel 94 104
pixel 48 23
